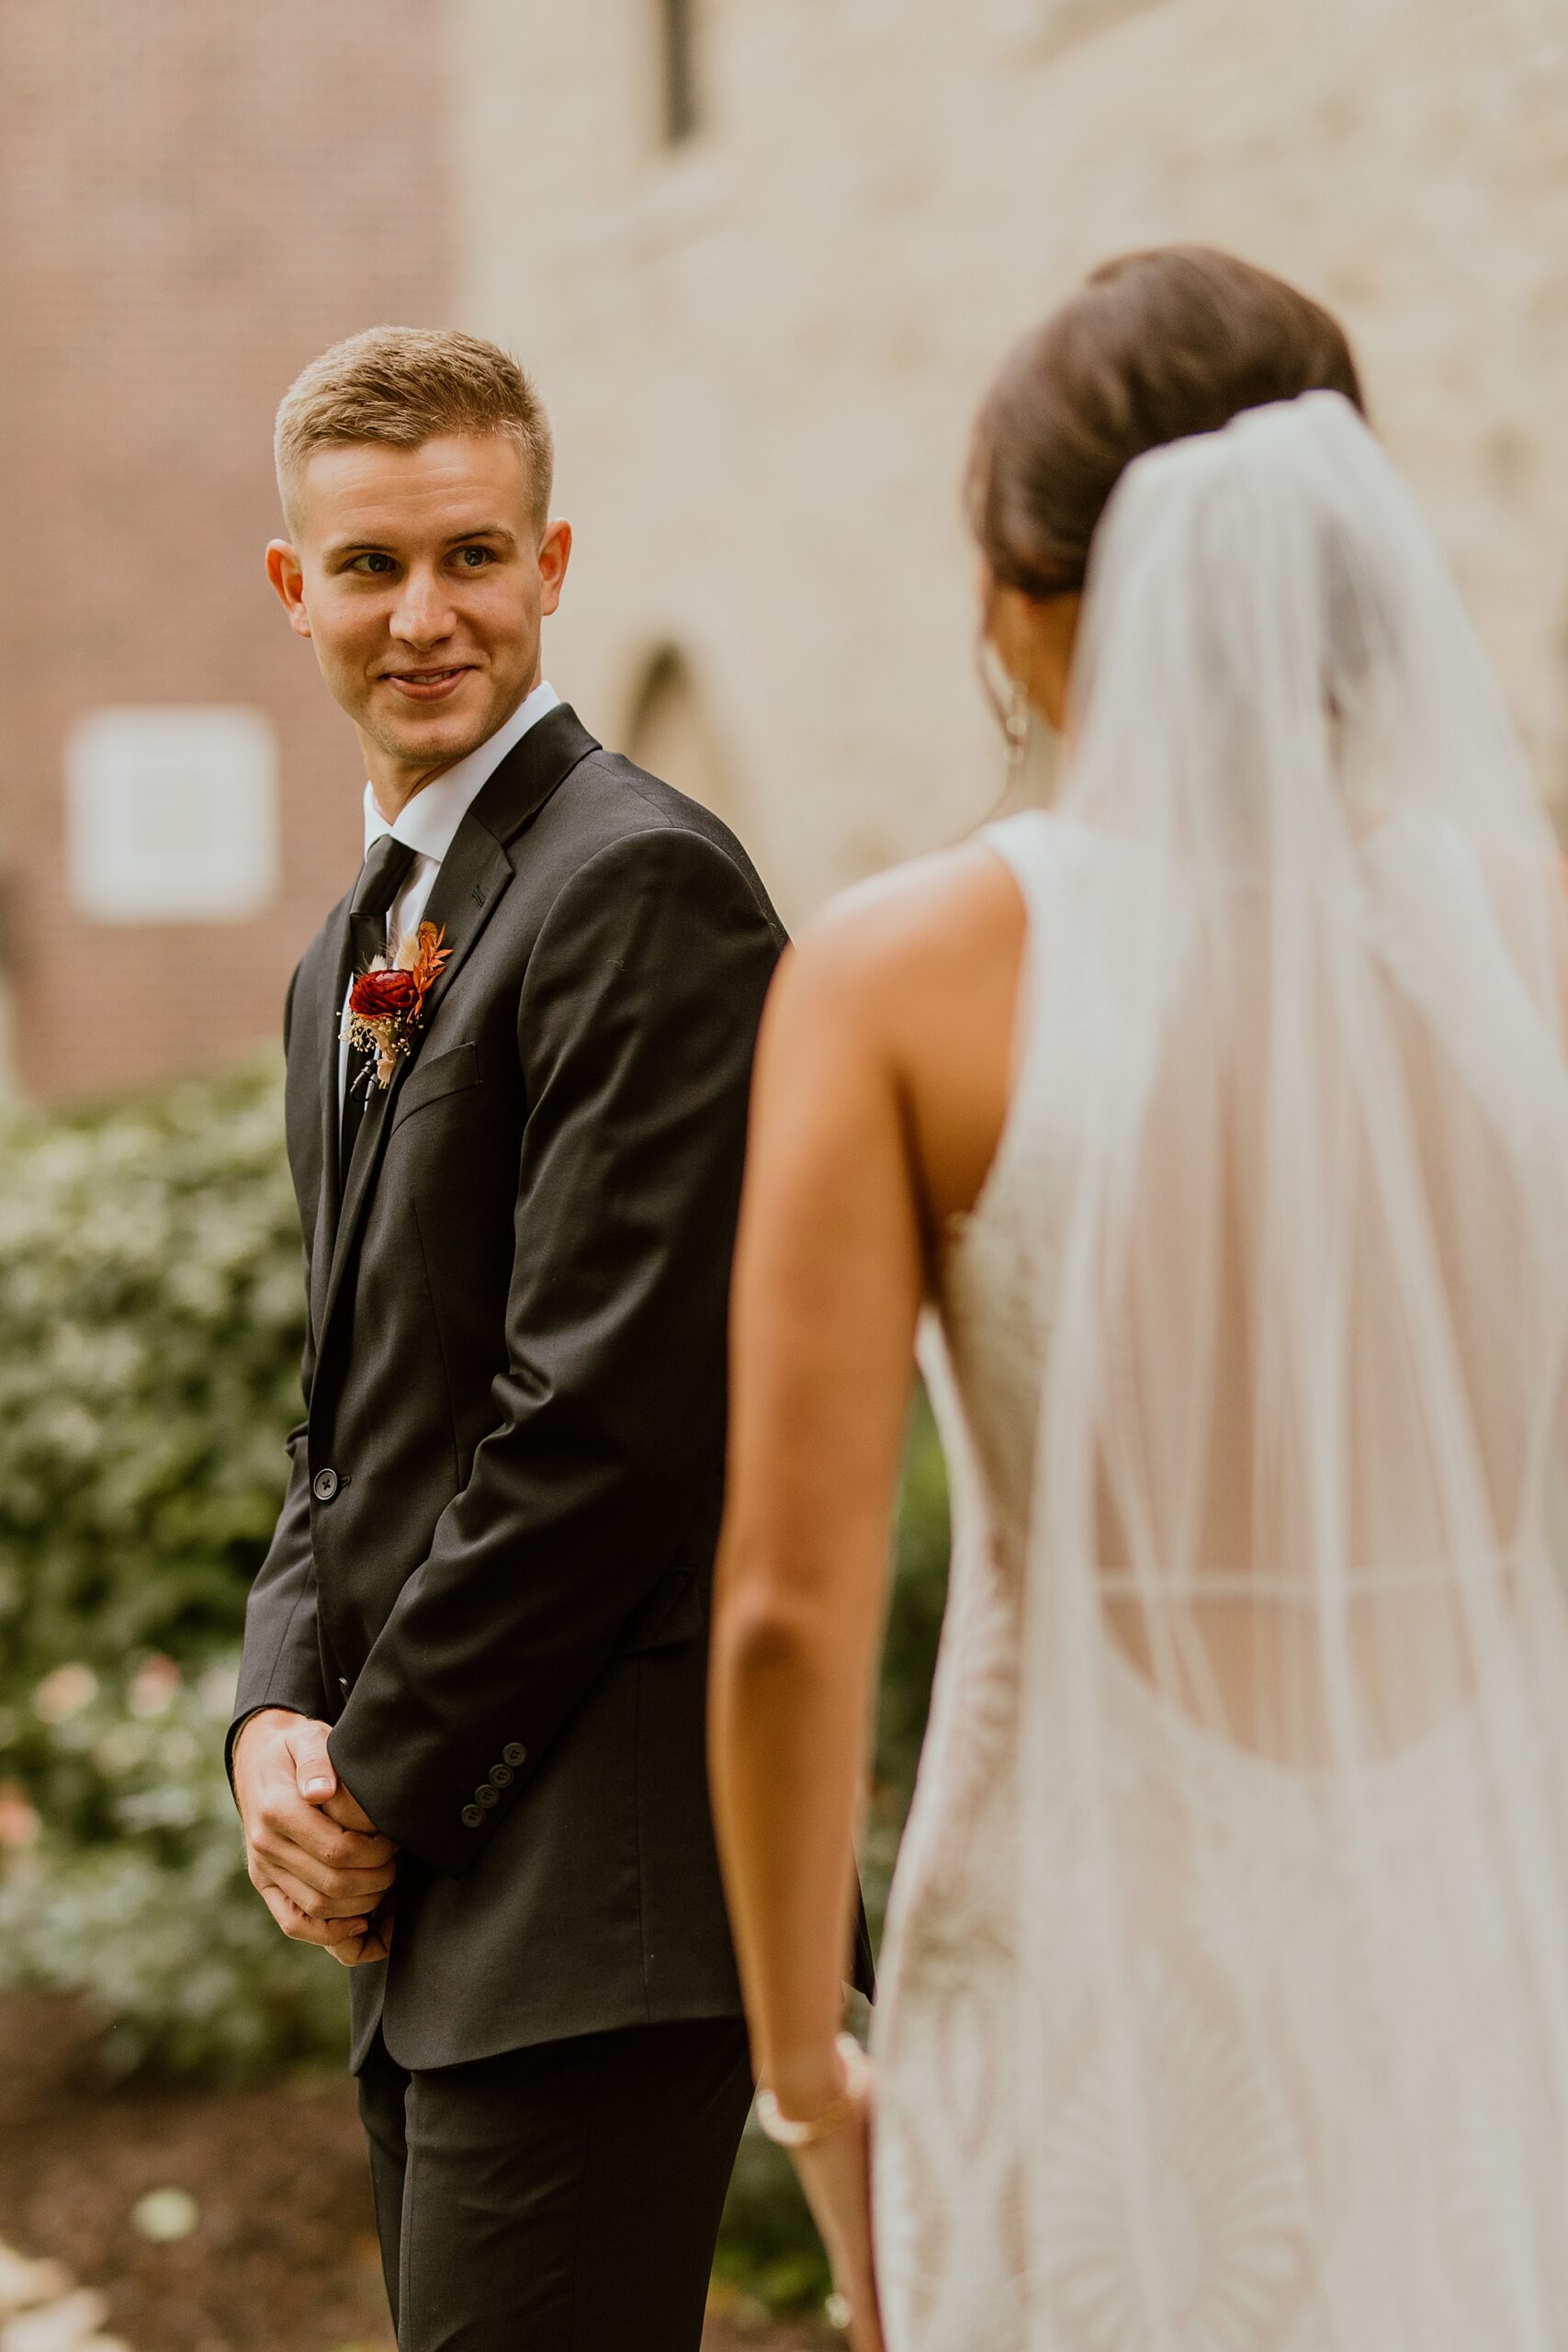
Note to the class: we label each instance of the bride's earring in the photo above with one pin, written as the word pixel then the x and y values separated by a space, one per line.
pixel 1017 728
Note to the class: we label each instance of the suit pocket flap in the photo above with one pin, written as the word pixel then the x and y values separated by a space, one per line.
pixel 428 1082
pixel 672 1613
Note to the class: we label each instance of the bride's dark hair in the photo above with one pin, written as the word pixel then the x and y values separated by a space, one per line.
pixel 1153 348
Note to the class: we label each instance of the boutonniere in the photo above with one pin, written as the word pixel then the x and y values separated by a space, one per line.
pixel 386 1003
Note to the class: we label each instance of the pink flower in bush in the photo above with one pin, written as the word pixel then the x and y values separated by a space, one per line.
pixel 65 1692
pixel 19 1824
pixel 152 1688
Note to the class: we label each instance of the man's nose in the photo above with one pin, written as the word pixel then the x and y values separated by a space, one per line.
pixel 423 615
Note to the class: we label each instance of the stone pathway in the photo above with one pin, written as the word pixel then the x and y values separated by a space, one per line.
pixel 43 2310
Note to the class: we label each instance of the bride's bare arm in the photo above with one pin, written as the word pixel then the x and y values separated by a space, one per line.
pixel 880 1087
pixel 829 1278
pixel 880 1090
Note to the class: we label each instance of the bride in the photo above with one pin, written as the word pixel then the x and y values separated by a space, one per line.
pixel 1214 1128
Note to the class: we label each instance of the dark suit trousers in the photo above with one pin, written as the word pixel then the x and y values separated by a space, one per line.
pixel 561 2198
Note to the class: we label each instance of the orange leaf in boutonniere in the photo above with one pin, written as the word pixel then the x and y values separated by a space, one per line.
pixel 386 1003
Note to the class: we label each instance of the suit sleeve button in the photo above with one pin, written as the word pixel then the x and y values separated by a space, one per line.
pixel 487 1796
pixel 473 1818
pixel 513 1754
pixel 501 1776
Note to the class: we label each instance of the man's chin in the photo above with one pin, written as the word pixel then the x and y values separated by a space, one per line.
pixel 439 736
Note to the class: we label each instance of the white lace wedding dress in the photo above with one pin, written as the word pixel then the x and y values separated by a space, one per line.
pixel 1226 1993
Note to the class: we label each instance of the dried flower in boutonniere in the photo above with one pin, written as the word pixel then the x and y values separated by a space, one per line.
pixel 386 1005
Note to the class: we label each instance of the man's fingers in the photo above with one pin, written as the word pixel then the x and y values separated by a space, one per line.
pixel 273 1853
pixel 314 1769
pixel 349 1903
pixel 322 1881
pixel 376 1943
pixel 285 1819
pixel 302 1930
pixel 349 1814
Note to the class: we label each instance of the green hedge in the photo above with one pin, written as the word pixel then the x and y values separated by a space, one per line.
pixel 151 1322
pixel 126 1881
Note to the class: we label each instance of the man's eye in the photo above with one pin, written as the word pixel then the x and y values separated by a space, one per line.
pixel 474 558
pixel 373 560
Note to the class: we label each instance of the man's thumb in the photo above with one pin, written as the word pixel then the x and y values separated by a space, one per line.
pixel 313 1765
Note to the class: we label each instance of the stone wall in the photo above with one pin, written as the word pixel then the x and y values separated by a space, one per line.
pixel 763 346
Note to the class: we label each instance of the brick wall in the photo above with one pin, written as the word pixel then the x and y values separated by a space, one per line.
pixel 194 199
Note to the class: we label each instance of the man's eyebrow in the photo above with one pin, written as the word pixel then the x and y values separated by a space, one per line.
pixel 338 549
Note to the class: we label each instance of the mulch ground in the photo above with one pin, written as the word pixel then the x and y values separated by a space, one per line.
pixel 284 2256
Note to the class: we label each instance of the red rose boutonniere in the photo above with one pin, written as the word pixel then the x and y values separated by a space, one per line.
pixel 386 1005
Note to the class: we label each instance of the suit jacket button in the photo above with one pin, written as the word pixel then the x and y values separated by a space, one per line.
pixel 513 1754
pixel 324 1485
pixel 472 1817
pixel 501 1776
pixel 487 1796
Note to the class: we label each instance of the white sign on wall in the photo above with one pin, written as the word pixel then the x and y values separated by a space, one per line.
pixel 171 815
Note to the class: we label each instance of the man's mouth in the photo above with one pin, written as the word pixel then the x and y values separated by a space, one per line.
pixel 428 685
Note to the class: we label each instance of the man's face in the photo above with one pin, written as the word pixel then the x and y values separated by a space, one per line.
pixel 421 579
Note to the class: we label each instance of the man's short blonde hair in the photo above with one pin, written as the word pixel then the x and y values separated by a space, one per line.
pixel 404 386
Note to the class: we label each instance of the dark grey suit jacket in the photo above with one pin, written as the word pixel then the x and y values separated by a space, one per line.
pixel 492 1567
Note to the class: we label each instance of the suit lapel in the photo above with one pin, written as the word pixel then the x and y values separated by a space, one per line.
pixel 333 988
pixel 474 877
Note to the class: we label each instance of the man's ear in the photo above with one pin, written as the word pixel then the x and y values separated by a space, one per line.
pixel 287 577
pixel 555 554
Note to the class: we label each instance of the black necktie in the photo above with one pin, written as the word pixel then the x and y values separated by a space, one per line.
pixel 380 878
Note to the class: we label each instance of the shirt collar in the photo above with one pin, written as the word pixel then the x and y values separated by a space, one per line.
pixel 430 820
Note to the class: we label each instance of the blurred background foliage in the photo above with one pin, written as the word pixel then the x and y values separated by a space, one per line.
pixel 151 1320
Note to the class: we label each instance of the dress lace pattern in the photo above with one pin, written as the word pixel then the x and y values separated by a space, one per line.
pixel 1022 2204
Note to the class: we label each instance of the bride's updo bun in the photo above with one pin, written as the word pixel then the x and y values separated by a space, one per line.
pixel 1154 347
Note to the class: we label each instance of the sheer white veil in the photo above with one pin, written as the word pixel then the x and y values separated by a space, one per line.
pixel 1301 1419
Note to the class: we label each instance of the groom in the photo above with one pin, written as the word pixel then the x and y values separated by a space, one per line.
pixel 517 1181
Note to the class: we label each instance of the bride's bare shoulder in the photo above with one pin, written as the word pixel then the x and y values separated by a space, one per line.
pixel 927 934
pixel 893 1022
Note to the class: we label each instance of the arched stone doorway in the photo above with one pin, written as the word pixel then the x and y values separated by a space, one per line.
pixel 670 734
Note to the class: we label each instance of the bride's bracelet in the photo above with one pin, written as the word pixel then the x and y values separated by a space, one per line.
pixel 790 2132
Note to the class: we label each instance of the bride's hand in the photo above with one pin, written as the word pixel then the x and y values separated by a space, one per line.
pixel 836 2176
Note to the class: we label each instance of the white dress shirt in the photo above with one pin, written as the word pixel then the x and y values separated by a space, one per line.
pixel 429 823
